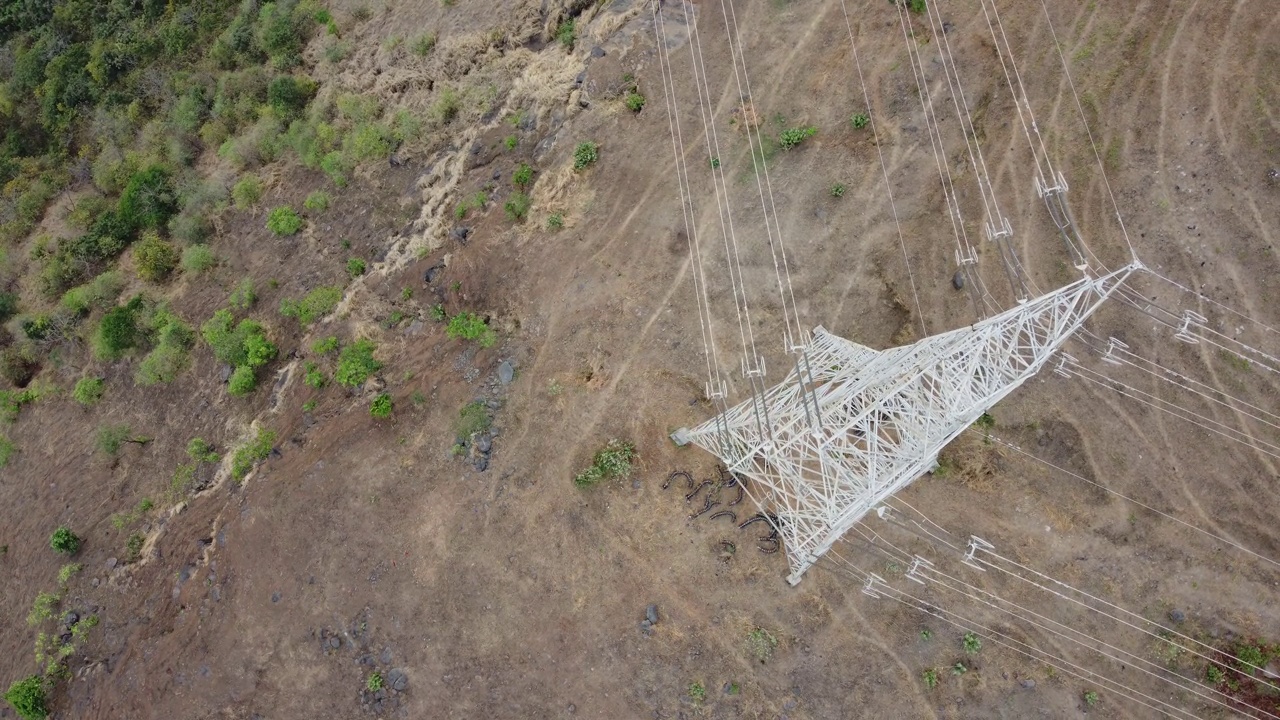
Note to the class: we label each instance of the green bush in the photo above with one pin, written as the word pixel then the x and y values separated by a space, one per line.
pixel 612 461
pixel 635 101
pixel 170 355
pixel 336 167
pixel 381 406
pixel 64 542
pixel 517 206
pixel 199 450
pixel 370 141
pixel 469 326
pixel 246 192
pixel 242 381
pixel 860 120
pixel 243 297
pixel 356 363
pixel 288 96
pixel 314 377
pixel 112 437
pixel 28 698
pixel 510 142
pixel 284 221
pixel 88 390
pixel 325 346
pixel 154 258
pixel 148 200
pixel 99 292
pixel 198 259
pixel 585 155
pixel 555 221
pixel 246 456
pixel 522 176
pixel 317 201
pixel 8 306
pixel 355 267
pixel 792 137
pixel 118 331
pixel 313 306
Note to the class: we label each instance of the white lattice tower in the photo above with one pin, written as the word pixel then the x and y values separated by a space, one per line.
pixel 822 449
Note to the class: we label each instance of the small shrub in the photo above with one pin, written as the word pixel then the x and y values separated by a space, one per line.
pixel 317 201
pixel 972 644
pixel 356 363
pixel 325 346
pixel 522 176
pixel 309 406
pixel 566 33
pixel 930 678
pixel 28 698
pixel 635 101
pixel 612 461
pixel 198 259
pixel 314 377
pixel 244 296
pixel 438 314
pixel 112 437
pixel 469 326
pixel 42 608
pixel 585 155
pixel 555 221
pixel 511 142
pixel 118 330
pixel 1214 675
pixel 154 258
pixel 199 450
pixel 284 221
pixel 959 669
pixel 172 340
pixel 246 192
pixel 517 206
pixel 374 683
pixel 133 547
pixel 917 6
pixel 66 572
pixel 792 137
pixel 837 190
pixel 355 267
pixel 242 381
pixel 313 306
pixel 64 542
pixel 88 391
pixel 860 120
pixel 381 406
pixel 336 167
pixel 257 450
pixel 1090 698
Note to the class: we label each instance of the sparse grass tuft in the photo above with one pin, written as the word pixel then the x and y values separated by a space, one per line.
pixel 860 120
pixel 374 683
pixel 612 461
pixel 567 33
pixel 317 201
pixel 971 643
pixel 246 456
pixel 472 418
pixel 1090 698
pixel 930 678
pixel 761 643
pixel 425 43
pixel 697 692
pixel 837 190
pixel 555 221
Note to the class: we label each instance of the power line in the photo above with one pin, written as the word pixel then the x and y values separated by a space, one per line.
pixel 884 169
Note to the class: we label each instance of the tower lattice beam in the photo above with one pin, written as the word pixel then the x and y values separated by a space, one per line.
pixel 882 416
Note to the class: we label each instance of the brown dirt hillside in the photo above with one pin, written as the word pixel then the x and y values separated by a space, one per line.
pixel 471 573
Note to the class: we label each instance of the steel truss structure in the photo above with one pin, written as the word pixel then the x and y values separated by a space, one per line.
pixel 850 425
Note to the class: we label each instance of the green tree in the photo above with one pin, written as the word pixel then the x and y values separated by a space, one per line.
pixel 27 696
pixel 64 542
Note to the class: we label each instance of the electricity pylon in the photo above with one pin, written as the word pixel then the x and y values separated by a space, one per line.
pixel 850 425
